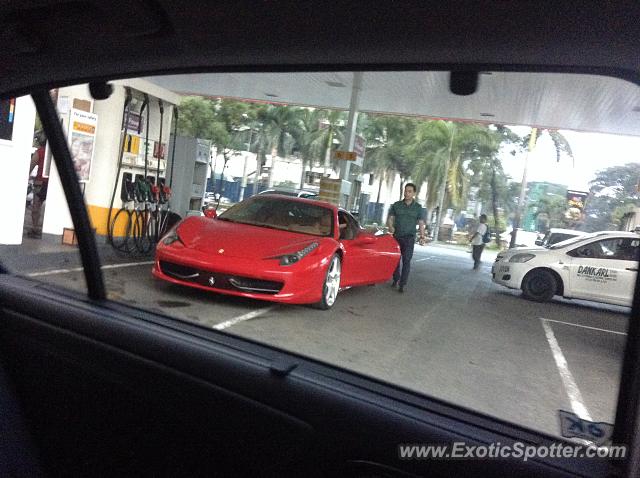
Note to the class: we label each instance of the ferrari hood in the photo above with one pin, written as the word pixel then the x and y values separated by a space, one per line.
pixel 214 237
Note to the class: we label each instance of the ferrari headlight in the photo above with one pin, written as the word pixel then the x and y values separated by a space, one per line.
pixel 171 236
pixel 288 259
pixel 521 257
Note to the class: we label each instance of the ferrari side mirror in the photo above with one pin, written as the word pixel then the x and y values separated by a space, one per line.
pixel 210 213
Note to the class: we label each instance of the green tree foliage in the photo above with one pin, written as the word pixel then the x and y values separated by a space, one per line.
pixel 550 212
pixel 493 189
pixel 196 117
pixel 280 126
pixel 561 146
pixel 443 149
pixel 560 143
pixel 304 140
pixel 449 156
pixel 614 192
pixel 390 141
pixel 330 135
pixel 488 176
pixel 221 121
pixel 317 133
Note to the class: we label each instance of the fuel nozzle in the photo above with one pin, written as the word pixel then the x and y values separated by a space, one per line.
pixel 165 193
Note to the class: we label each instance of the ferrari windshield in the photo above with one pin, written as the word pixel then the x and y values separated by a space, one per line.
pixel 282 213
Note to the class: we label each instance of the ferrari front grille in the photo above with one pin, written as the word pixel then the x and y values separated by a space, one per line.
pixel 254 285
pixel 218 280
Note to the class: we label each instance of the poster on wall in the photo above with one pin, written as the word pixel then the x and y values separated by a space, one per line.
pixel 7 115
pixel 82 139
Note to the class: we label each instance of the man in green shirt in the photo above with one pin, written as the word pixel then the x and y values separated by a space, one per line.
pixel 401 221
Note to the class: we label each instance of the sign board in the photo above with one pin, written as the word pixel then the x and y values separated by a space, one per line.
pixel 82 139
pixel 159 149
pixel 330 190
pixel 345 155
pixel 135 123
pixel 575 204
pixel 203 151
pixel 132 148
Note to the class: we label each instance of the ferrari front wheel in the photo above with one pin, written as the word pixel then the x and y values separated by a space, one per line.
pixel 331 284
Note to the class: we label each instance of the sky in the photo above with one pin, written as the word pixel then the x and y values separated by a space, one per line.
pixel 592 152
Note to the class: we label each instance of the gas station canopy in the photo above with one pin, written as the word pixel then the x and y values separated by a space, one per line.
pixel 551 100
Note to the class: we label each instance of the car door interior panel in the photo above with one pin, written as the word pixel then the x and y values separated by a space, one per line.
pixel 104 393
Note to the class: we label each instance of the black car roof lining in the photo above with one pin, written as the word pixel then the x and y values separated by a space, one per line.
pixel 118 74
pixel 50 43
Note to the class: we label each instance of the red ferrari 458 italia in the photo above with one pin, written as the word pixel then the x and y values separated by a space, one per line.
pixel 276 248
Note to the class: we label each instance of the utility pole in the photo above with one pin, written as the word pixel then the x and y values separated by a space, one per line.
pixel 212 166
pixel 350 133
pixel 243 184
pixel 523 189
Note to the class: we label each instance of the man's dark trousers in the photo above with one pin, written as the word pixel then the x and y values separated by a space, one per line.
pixel 406 250
pixel 477 252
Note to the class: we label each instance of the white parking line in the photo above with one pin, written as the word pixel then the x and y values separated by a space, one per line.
pixel 586 327
pixel 570 386
pixel 242 318
pixel 80 269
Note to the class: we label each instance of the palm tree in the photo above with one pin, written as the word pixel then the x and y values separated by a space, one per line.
pixel 442 148
pixel 308 141
pixel 279 126
pixel 489 175
pixel 376 158
pixel 330 133
pixel 389 140
pixel 561 146
pixel 492 183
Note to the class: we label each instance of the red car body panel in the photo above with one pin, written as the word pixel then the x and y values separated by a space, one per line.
pixel 240 259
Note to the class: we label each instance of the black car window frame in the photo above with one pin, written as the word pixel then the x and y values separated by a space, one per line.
pixel 628 403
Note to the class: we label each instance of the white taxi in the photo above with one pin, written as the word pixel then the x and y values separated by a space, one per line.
pixel 601 266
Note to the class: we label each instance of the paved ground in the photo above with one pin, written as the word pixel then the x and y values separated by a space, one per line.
pixel 453 335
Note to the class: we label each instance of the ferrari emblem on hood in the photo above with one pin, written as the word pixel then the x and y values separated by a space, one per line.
pixel 212 280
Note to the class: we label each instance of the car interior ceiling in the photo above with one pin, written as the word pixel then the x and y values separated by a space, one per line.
pixel 91 387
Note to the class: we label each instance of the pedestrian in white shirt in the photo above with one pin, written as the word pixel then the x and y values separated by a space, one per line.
pixel 477 240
